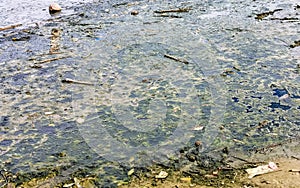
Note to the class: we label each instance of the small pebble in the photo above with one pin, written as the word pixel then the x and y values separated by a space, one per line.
pixel 197 143
pixel 134 12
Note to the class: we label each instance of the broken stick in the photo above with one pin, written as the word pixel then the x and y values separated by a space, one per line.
pixel 176 59
pixel 68 80
pixel 168 16
pixel 173 10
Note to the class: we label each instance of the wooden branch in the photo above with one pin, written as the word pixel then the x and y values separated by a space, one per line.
pixel 10 27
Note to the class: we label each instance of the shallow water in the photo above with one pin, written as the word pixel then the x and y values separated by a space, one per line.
pixel 29 12
pixel 140 106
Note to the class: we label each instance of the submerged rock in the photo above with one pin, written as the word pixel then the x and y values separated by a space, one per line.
pixel 54 8
pixel 134 12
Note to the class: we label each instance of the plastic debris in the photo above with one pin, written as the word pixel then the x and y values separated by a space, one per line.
pixel 262 169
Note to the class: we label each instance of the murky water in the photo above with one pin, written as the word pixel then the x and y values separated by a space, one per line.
pixel 153 84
